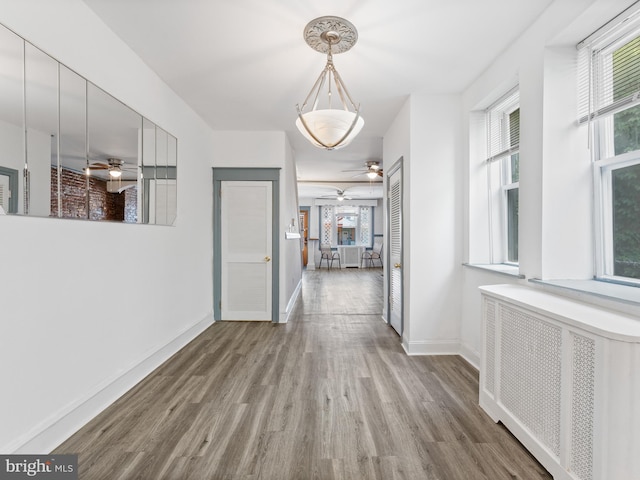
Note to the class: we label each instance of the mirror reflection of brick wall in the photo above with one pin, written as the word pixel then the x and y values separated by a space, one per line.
pixel 102 204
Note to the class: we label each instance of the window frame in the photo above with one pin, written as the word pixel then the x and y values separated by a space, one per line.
pixel 506 217
pixel 603 185
pixel 329 227
pixel 499 244
pixel 601 124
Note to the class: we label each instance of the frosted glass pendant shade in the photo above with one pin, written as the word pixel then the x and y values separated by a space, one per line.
pixel 329 127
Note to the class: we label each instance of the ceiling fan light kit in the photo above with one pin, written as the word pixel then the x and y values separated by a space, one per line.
pixel 329 128
pixel 114 166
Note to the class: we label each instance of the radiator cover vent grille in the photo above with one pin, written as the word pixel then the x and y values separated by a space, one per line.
pixel 530 379
pixel 582 406
pixel 490 316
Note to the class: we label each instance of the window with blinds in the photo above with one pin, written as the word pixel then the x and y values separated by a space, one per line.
pixel 609 103
pixel 503 127
pixel 503 173
pixel 609 69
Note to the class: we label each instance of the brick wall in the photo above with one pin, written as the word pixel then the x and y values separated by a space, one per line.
pixel 102 204
pixel 131 205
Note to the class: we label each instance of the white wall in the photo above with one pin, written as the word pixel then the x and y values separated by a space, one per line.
pixel 84 304
pixel 291 251
pixel 445 184
pixel 555 187
pixel 435 240
pixel 239 149
pixel 397 146
pixel 432 210
pixel 249 149
pixel 88 309
pixel 379 219
pixel 427 134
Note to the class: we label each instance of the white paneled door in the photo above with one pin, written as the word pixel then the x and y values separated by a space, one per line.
pixel 246 247
pixel 395 250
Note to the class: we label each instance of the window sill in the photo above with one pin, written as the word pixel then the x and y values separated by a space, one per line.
pixel 616 292
pixel 500 268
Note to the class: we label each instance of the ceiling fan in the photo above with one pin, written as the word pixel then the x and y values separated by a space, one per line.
pixel 339 195
pixel 373 170
pixel 115 167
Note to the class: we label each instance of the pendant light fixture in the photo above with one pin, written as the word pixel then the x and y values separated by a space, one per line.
pixel 322 124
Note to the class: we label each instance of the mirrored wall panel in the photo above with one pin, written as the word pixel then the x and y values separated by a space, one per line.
pixel 12 151
pixel 68 149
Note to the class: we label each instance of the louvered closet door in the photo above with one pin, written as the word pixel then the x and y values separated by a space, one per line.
pixel 246 209
pixel 395 250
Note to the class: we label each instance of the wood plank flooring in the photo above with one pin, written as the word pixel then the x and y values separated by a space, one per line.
pixel 330 396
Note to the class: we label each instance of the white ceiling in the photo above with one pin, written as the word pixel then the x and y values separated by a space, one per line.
pixel 329 190
pixel 244 65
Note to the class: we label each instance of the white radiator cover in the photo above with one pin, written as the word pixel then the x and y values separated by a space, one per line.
pixel 564 378
pixel 350 255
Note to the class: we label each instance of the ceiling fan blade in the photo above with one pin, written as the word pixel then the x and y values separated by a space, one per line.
pixel 358 174
pixel 99 166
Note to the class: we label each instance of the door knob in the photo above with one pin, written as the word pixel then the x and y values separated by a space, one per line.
pixel 267 259
pixel 398 265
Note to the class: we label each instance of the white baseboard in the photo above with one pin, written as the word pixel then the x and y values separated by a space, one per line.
pixel 284 316
pixel 443 347
pixel 432 347
pixel 470 355
pixel 61 425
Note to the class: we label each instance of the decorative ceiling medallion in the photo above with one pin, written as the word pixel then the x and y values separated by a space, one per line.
pixel 318 121
pixel 341 33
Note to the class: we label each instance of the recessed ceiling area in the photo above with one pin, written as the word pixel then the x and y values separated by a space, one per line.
pixel 245 65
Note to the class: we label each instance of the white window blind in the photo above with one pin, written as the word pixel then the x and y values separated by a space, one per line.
pixel 609 67
pixel 503 133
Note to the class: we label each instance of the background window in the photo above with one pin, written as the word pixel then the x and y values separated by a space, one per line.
pixel 346 225
pixel 503 174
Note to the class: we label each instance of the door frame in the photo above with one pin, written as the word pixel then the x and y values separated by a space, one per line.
pixel 13 187
pixel 397 166
pixel 246 174
pixel 306 245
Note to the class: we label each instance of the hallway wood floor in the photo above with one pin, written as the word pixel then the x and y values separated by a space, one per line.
pixel 330 395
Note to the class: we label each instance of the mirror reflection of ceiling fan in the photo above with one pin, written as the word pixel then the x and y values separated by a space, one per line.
pixel 114 166
pixel 372 170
